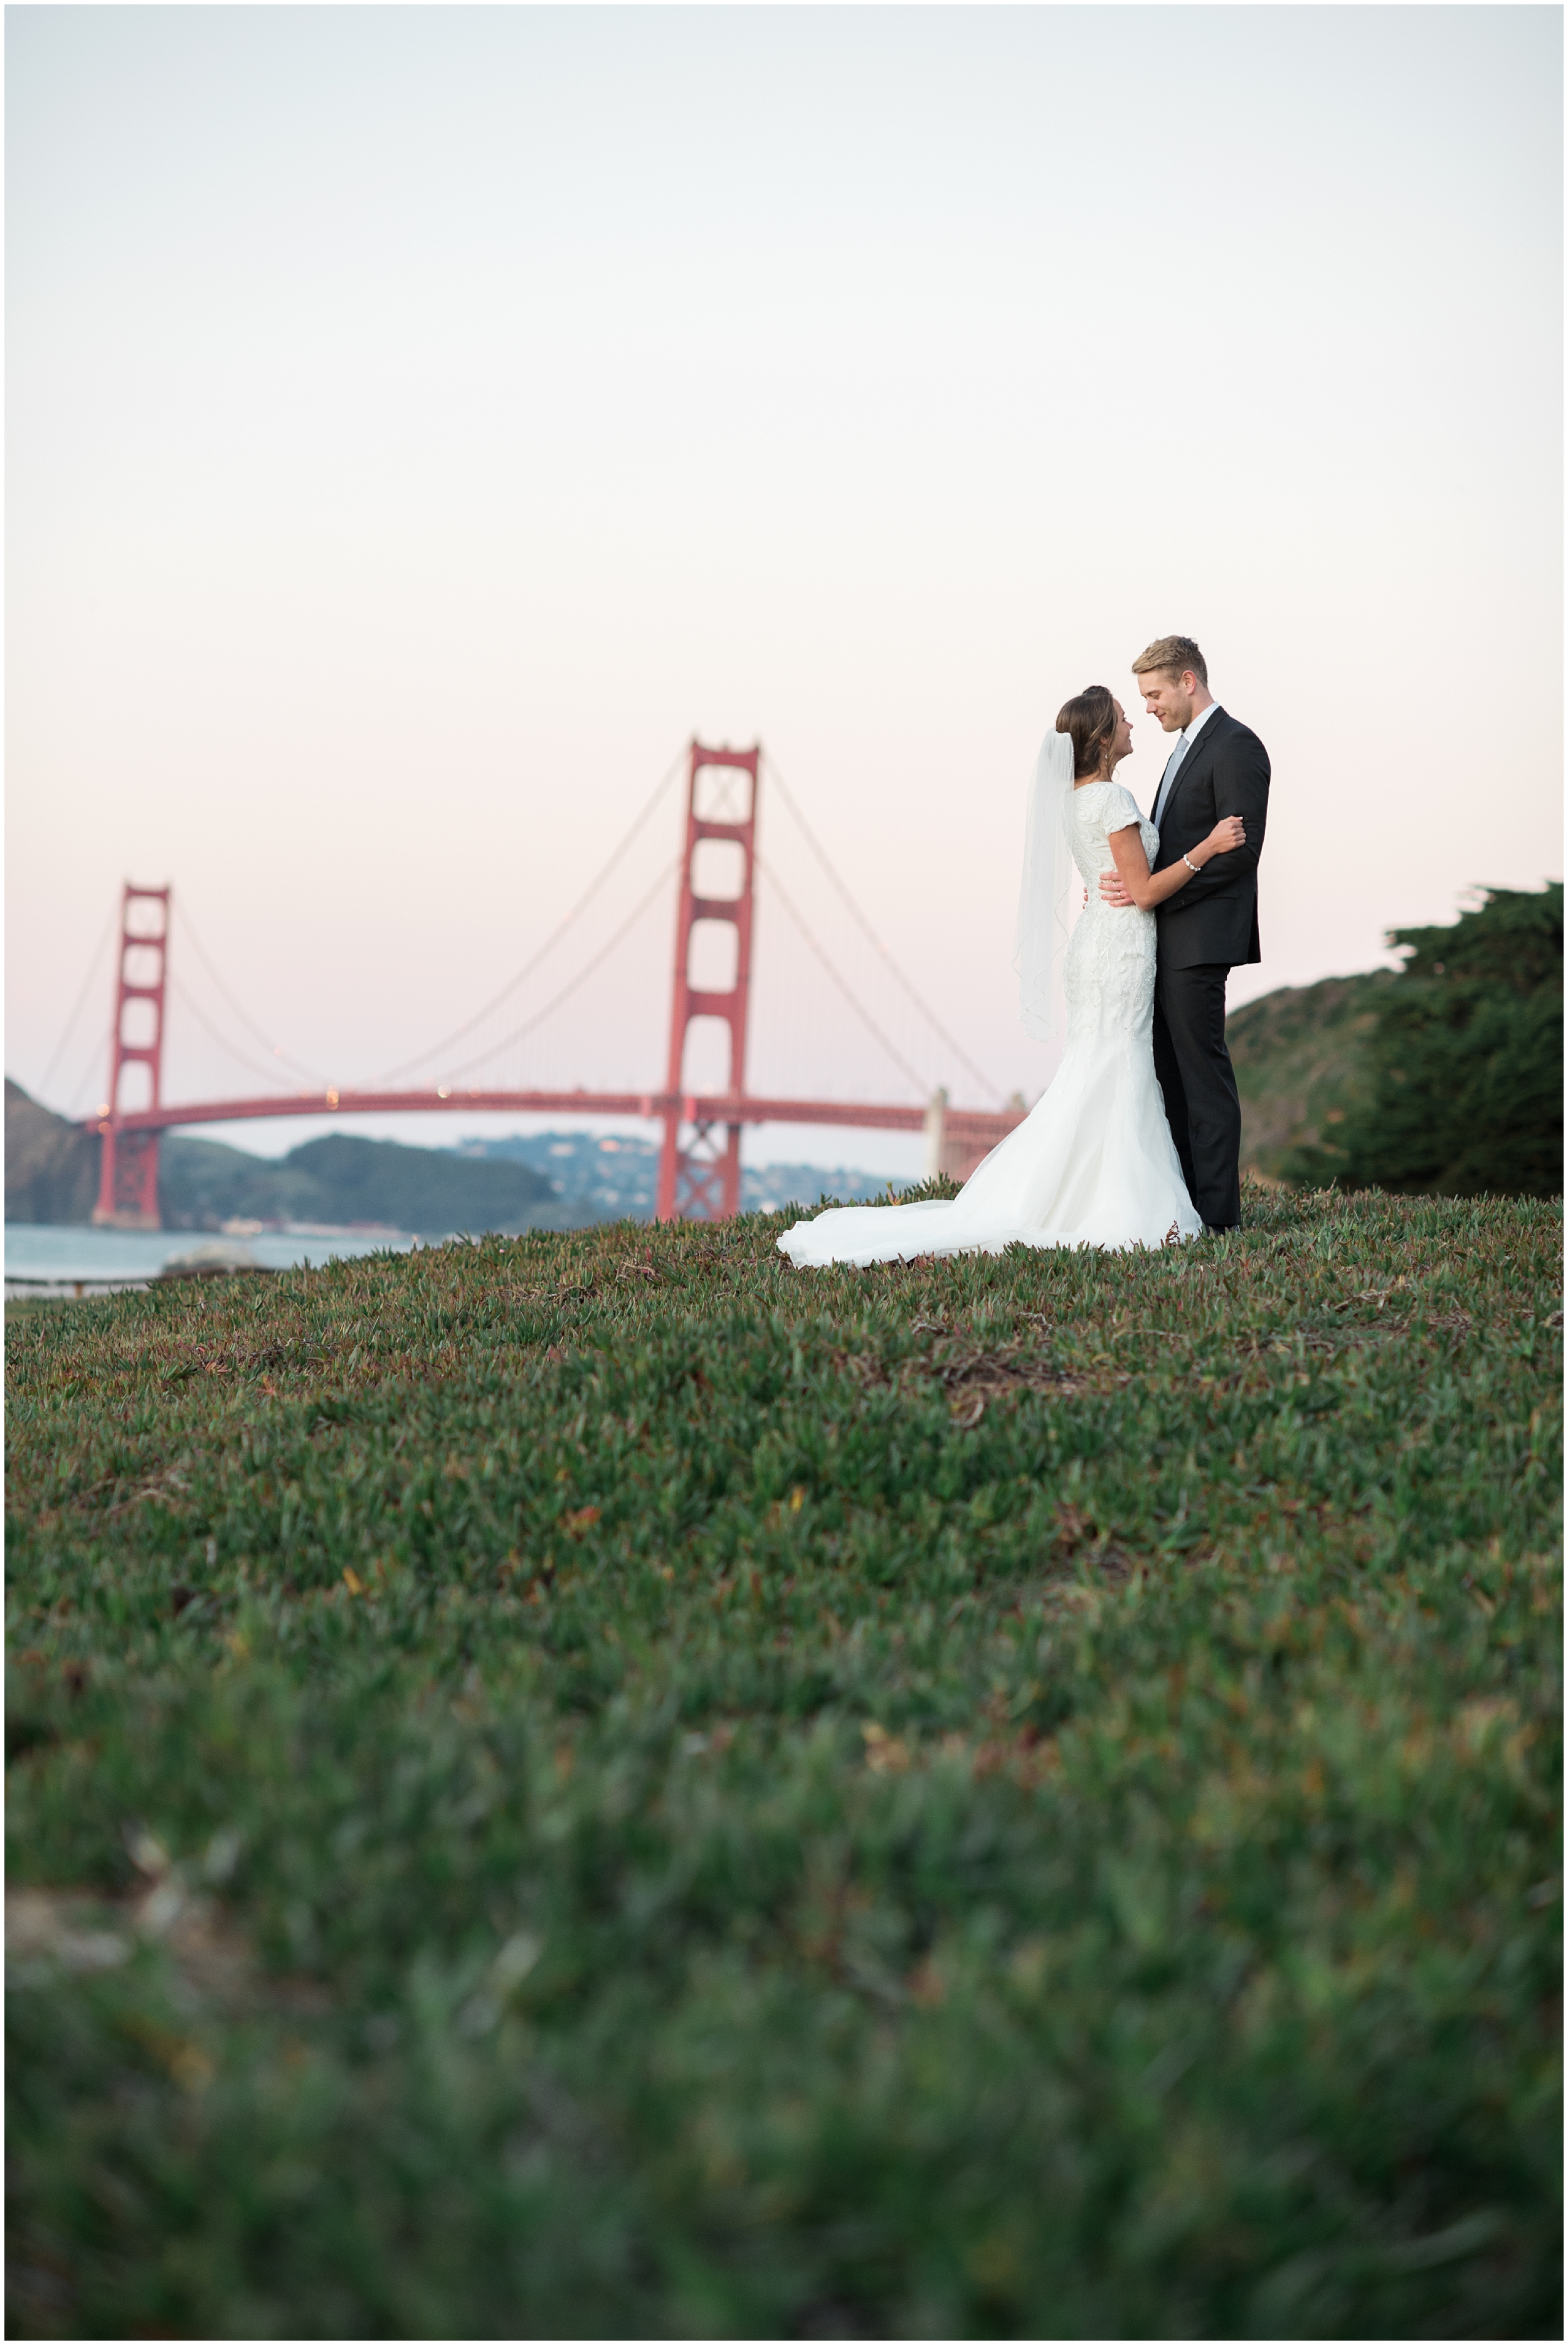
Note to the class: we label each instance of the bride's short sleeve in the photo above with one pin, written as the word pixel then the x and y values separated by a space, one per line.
pixel 1121 809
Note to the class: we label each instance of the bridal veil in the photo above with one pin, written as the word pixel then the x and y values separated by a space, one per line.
pixel 1046 895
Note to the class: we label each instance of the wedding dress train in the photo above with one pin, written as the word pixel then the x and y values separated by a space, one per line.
pixel 1093 1163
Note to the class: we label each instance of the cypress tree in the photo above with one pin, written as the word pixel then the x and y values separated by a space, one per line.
pixel 1466 1096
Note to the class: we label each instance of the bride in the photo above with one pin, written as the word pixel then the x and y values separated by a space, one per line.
pixel 1093 1163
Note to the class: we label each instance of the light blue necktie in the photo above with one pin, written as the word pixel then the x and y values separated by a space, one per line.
pixel 1168 780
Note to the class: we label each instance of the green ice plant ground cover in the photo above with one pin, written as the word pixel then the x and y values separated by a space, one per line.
pixel 598 1785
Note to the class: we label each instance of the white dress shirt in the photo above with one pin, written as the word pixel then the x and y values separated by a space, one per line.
pixel 1173 767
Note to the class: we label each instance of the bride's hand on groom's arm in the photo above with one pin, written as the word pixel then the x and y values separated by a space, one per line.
pixel 1113 888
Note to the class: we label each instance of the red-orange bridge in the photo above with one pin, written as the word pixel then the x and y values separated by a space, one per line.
pixel 699 1163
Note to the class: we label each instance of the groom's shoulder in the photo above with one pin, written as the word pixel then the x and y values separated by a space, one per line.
pixel 1238 735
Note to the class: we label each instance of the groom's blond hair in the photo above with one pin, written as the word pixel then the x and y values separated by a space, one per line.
pixel 1173 653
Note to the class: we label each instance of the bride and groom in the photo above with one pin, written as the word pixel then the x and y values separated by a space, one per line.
pixel 1137 1140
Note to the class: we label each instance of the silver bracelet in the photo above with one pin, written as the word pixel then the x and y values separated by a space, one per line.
pixel 1193 868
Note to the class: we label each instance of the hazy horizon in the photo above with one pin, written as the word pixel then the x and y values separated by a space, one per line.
pixel 422 422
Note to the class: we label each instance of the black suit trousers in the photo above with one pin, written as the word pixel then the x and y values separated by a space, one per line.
pixel 1196 1076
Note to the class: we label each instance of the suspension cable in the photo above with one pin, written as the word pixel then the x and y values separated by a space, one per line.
pixel 494 1049
pixel 869 932
pixel 89 1081
pixel 59 1051
pixel 313 1074
pixel 860 1011
pixel 191 1003
pixel 547 948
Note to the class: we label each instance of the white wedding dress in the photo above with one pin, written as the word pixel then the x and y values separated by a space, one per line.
pixel 1093 1163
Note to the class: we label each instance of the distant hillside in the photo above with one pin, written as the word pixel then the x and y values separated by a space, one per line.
pixel 52 1175
pixel 553 1179
pixel 613 1176
pixel 340 1179
pixel 1301 1060
pixel 596 1176
pixel 51 1164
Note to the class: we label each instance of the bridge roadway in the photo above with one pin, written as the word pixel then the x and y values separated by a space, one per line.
pixel 974 1126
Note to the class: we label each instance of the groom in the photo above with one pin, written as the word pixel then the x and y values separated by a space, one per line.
pixel 1218 767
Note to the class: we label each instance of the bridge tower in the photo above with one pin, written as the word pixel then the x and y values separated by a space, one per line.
pixel 128 1184
pixel 700 1164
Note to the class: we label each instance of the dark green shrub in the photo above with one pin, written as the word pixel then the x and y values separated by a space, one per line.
pixel 1466 1097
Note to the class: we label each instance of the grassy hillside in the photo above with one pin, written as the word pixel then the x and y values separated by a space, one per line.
pixel 597 1785
pixel 1300 1061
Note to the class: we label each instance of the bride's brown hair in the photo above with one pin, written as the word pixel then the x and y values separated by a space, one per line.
pixel 1089 721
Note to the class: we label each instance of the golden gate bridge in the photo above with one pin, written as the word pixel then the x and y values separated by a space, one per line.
pixel 699 1163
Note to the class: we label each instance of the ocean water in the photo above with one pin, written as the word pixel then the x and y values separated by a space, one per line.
pixel 44 1250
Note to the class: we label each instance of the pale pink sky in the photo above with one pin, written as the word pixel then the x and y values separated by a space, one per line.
pixel 422 421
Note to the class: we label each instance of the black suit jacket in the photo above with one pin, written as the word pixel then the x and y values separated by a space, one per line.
pixel 1215 917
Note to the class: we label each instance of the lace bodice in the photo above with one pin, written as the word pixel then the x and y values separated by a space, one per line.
pixel 1110 955
pixel 1099 808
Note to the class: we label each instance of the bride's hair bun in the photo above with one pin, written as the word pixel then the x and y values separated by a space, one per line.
pixel 1090 720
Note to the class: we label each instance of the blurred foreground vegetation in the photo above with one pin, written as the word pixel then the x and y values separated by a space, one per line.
pixel 598 1786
